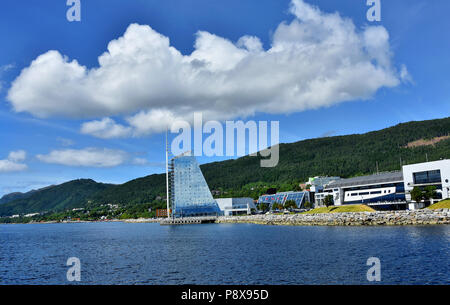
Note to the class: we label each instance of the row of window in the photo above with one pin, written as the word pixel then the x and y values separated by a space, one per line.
pixel 427 177
pixel 371 193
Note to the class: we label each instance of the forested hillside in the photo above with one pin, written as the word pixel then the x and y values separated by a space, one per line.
pixel 343 156
pixel 72 194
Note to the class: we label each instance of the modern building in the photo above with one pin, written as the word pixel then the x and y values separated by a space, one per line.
pixel 421 175
pixel 318 183
pixel 300 198
pixel 383 189
pixel 391 190
pixel 189 194
pixel 236 206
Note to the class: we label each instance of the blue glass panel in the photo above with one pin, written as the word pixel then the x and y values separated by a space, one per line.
pixel 191 194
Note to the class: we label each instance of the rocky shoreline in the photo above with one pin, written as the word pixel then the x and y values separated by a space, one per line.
pixel 388 218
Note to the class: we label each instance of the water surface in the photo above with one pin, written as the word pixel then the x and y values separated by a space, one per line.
pixel 146 253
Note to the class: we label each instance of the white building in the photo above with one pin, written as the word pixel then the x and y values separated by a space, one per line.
pixel 435 173
pixel 234 206
pixel 318 183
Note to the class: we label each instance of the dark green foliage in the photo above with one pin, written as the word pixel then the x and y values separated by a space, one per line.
pixel 308 205
pixel 14 196
pixel 277 206
pixel 263 207
pixel 430 192
pixel 136 191
pixel 290 204
pixel 69 195
pixel 344 156
pixel 328 200
pixel 417 194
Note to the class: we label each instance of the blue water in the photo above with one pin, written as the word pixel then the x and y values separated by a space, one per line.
pixel 121 253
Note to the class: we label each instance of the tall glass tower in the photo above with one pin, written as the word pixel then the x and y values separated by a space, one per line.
pixel 189 193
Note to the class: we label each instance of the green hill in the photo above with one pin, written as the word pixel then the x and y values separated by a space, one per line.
pixel 344 156
pixel 69 195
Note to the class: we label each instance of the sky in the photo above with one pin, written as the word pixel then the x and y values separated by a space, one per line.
pixel 91 99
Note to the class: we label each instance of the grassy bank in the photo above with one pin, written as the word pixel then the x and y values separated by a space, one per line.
pixel 341 209
pixel 444 204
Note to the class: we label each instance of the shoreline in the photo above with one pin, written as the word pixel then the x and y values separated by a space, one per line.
pixel 378 218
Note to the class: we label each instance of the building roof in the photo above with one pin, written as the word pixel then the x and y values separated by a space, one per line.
pixel 364 180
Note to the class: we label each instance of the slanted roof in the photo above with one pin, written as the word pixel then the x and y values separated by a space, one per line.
pixel 385 177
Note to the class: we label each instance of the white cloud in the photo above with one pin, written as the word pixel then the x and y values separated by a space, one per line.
pixel 7 67
pixel 317 60
pixel 140 161
pixel 12 163
pixel 17 156
pixel 88 157
pixel 106 128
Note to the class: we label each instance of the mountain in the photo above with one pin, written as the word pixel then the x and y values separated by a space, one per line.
pixel 344 156
pixel 18 195
pixel 68 195
pixel 13 196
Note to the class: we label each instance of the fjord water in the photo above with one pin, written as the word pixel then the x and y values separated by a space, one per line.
pixel 147 253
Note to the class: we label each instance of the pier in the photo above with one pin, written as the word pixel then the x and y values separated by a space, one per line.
pixel 188 220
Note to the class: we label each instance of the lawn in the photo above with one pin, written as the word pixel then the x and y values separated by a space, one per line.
pixel 342 209
pixel 444 204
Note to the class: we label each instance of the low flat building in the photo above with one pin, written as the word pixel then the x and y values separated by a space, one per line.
pixel 236 206
pixel 378 189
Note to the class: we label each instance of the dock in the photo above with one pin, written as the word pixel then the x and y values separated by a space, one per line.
pixel 188 220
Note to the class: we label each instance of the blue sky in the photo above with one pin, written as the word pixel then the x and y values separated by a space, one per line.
pixel 418 41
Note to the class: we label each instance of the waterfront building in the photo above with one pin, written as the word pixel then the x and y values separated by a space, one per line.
pixel 318 183
pixel 189 194
pixel 316 187
pixel 391 190
pixel 387 188
pixel 300 198
pixel 421 175
pixel 236 206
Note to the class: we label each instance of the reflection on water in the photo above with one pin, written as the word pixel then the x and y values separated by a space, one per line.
pixel 120 253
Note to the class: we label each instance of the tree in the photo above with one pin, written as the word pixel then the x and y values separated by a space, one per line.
pixel 263 207
pixel 430 192
pixel 328 200
pixel 290 204
pixel 307 205
pixel 276 206
pixel 417 194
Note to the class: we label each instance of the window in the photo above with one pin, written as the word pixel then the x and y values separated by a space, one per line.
pixel 427 177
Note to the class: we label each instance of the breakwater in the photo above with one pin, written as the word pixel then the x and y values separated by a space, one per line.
pixel 388 218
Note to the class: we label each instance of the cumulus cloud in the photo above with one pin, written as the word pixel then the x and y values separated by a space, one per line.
pixel 88 157
pixel 106 128
pixel 13 162
pixel 316 60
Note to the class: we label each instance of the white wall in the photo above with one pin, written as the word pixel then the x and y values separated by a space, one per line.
pixel 442 165
pixel 228 204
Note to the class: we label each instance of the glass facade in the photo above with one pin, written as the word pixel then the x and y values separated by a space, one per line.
pixel 190 195
pixel 427 177
pixel 299 197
